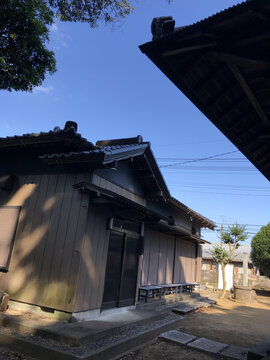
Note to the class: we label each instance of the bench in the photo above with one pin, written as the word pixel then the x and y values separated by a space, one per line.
pixel 190 286
pixel 150 291
pixel 171 288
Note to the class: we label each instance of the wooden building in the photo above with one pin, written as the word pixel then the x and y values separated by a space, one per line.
pixel 222 64
pixel 83 225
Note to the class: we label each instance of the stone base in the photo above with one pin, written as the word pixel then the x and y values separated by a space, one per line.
pixel 50 313
pixel 177 337
pixel 259 351
pixel 244 293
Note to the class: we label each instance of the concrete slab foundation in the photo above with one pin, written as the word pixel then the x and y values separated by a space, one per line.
pixel 235 352
pixel 184 309
pixel 207 345
pixel 177 337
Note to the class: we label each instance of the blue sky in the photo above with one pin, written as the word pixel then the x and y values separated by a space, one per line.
pixel 112 90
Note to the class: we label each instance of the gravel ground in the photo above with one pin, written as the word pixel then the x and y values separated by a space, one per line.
pixel 169 351
pixel 122 334
pixel 11 355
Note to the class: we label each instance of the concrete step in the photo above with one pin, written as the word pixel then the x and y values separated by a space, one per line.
pixel 43 350
pixel 77 334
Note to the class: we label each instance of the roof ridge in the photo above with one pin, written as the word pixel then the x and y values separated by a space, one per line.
pixel 124 141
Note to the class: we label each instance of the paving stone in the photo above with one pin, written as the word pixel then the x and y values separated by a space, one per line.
pixel 202 305
pixel 260 350
pixel 183 309
pixel 235 352
pixel 207 345
pixel 177 337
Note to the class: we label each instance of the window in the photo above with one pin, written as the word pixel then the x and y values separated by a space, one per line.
pixel 9 216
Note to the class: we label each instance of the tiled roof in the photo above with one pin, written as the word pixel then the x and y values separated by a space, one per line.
pixel 212 18
pixel 237 256
pixel 43 137
pixel 107 151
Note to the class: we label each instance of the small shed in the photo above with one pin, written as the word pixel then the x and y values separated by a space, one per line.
pixel 84 225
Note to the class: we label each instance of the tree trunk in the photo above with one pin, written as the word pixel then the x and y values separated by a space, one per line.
pixel 224 281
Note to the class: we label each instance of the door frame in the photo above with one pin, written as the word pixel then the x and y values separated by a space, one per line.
pixel 119 302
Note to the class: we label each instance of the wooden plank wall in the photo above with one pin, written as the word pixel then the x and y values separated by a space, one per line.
pixel 199 263
pixel 167 259
pixel 46 253
pixel 91 277
pixel 157 267
pixel 185 256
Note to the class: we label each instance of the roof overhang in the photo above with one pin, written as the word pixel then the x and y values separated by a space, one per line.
pixel 222 64
pixel 119 200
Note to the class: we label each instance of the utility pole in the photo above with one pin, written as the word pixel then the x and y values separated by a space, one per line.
pixel 221 237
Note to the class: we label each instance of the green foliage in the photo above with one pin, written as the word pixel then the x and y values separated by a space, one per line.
pixel 234 234
pixel 231 237
pixel 91 11
pixel 260 250
pixel 220 255
pixel 24 31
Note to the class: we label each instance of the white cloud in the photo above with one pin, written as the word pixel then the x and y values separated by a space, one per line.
pixel 54 27
pixel 43 89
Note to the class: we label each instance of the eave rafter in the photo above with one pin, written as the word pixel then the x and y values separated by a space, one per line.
pixel 249 93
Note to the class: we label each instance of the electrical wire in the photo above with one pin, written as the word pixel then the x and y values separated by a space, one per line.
pixel 209 192
pixel 200 159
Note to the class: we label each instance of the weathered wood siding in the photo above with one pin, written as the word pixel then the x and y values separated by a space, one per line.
pixel 167 259
pixel 158 258
pixel 46 253
pixel 199 263
pixel 185 256
pixel 91 276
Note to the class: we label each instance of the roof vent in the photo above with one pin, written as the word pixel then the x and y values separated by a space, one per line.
pixel 162 26
pixel 71 124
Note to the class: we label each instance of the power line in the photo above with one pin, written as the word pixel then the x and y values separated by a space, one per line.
pixel 208 192
pixel 213 168
pixel 210 160
pixel 247 187
pixel 201 159
pixel 218 187
pixel 238 224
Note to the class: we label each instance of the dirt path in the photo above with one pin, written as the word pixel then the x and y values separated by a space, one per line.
pixel 228 321
pixel 231 322
pixel 168 351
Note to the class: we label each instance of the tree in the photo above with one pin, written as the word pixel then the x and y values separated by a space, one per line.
pixel 91 11
pixel 24 33
pixel 260 250
pixel 231 237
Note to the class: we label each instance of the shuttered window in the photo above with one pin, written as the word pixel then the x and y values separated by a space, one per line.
pixel 9 216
